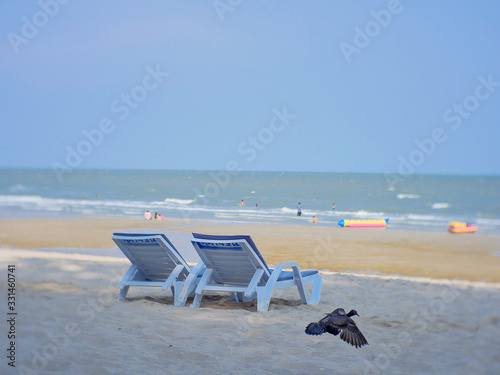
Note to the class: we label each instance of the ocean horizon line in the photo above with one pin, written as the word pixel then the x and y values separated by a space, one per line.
pixel 117 169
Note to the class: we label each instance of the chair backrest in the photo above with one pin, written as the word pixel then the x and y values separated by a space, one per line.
pixel 234 259
pixel 155 256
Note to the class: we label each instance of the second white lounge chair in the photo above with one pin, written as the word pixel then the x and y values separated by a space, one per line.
pixel 235 265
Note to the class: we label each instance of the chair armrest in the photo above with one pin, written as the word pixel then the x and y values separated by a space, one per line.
pixel 196 270
pixel 129 275
pixel 173 277
pixel 279 268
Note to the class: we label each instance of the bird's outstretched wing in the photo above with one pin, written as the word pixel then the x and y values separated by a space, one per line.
pixel 318 328
pixel 314 329
pixel 352 335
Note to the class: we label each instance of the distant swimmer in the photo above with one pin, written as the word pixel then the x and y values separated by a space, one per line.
pixel 147 215
pixel 315 220
pixel 339 322
pixel 333 208
pixel 242 202
pixel 299 209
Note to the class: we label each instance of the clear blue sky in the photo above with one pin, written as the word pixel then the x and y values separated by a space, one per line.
pixel 329 86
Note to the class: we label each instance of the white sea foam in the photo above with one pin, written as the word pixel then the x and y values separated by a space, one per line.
pixel 440 206
pixel 178 201
pixel 288 210
pixel 365 214
pixel 483 221
pixel 408 196
pixel 87 206
pixel 247 216
pixel 19 198
pixel 423 217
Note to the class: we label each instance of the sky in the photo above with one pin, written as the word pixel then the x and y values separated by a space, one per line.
pixel 394 87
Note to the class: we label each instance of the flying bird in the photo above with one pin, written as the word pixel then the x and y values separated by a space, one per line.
pixel 339 322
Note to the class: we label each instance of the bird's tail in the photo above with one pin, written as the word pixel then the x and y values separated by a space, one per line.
pixel 314 329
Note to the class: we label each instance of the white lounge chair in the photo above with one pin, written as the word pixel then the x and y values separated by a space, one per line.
pixel 155 263
pixel 233 264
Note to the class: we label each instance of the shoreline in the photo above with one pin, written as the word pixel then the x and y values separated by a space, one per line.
pixel 397 222
pixel 470 257
pixel 396 226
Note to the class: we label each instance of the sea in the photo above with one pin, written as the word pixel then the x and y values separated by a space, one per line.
pixel 411 202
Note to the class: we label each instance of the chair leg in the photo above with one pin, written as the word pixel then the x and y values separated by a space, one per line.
pixel 236 296
pixel 316 290
pixel 263 298
pixel 197 300
pixel 123 293
pixel 185 290
pixel 129 275
pixel 205 279
pixel 175 292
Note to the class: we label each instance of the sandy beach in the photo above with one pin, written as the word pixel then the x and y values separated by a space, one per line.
pixel 425 254
pixel 429 304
